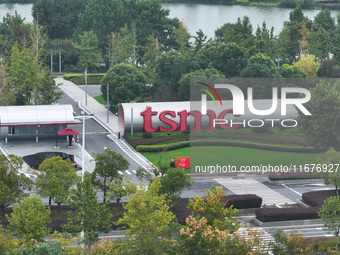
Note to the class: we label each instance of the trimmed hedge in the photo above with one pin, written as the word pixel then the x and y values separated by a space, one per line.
pixel 292 176
pixel 79 79
pixel 244 201
pixel 237 201
pixel 284 214
pixel 231 143
pixel 317 198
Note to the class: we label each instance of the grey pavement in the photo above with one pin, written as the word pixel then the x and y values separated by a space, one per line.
pixel 107 119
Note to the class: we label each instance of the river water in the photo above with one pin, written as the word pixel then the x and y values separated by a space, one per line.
pixel 205 17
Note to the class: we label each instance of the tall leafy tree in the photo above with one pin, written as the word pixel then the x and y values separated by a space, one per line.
pixel 266 41
pixel 291 71
pixel 229 59
pixel 148 217
pixel 12 183
pixel 325 108
pixel 151 53
pixel 89 53
pixel 169 69
pixel 87 214
pixel 308 64
pixel 325 20
pixel 200 40
pixel 184 82
pixel 182 38
pixel 126 82
pixel 29 219
pixel 260 66
pixel 106 172
pixel 330 213
pixel 55 179
pixel 59 17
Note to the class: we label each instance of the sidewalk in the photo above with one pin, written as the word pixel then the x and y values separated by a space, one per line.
pixel 100 114
pixel 92 106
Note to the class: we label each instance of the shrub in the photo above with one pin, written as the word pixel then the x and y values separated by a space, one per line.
pixel 80 79
pixel 317 198
pixel 232 143
pixel 260 130
pixel 147 135
pixel 283 214
pixel 244 201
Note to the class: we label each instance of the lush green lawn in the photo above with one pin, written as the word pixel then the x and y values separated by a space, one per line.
pixel 235 156
pixel 100 99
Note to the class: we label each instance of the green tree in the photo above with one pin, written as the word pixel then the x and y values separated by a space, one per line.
pixel 336 44
pixel 200 40
pixel 46 90
pixel 325 20
pixel 213 208
pixel 126 82
pixel 151 53
pixel 7 242
pixel 290 71
pixel 328 158
pixel 325 108
pixel 320 43
pixel 309 65
pixel 147 215
pixel 107 16
pixel 121 187
pixel 89 53
pixel 55 179
pixel 60 18
pixel 7 96
pixel 184 82
pixel 240 33
pixel 260 66
pixel 169 69
pixel 106 173
pixel 174 182
pixel 266 41
pixel 12 183
pixel 87 214
pixel 29 219
pixel 229 59
pixel 330 213
pixel 182 38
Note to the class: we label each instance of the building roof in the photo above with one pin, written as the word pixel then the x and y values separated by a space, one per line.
pixel 29 115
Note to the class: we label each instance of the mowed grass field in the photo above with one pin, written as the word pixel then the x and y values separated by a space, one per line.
pixel 235 156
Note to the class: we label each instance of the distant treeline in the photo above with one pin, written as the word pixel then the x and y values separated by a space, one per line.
pixel 201 1
pixel 17 1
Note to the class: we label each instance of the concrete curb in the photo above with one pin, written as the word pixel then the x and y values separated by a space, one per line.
pixel 287 223
pixel 296 181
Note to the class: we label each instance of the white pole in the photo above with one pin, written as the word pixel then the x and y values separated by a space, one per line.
pixel 83 164
pixel 85 86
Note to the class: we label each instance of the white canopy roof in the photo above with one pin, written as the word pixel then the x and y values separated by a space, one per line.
pixel 27 115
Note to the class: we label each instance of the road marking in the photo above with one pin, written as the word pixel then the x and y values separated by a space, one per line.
pixel 120 172
pixel 134 171
pixel 284 185
pixel 127 172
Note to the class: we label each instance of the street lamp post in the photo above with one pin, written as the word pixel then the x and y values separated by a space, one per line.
pixel 83 117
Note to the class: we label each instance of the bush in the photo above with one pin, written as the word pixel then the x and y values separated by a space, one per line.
pixel 147 135
pixel 283 214
pixel 260 130
pixel 231 143
pixel 317 198
pixel 79 79
pixel 244 201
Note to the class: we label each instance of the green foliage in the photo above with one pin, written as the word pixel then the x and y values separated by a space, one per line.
pixel 260 66
pixel 331 157
pixel 29 219
pixel 147 135
pixel 174 182
pixel 55 179
pixel 240 33
pixel 330 213
pixel 7 241
pixel 325 20
pixel 244 144
pixel 12 183
pixel 184 82
pixel 79 79
pixel 58 17
pixel 87 214
pixel 291 71
pixel 148 217
pixel 309 65
pixel 182 38
pixel 105 173
pixel 41 248
pixel 213 208
pixel 325 108
pixel 169 69
pixel 89 53
pixel 126 82
pixel 151 53
pixel 229 59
